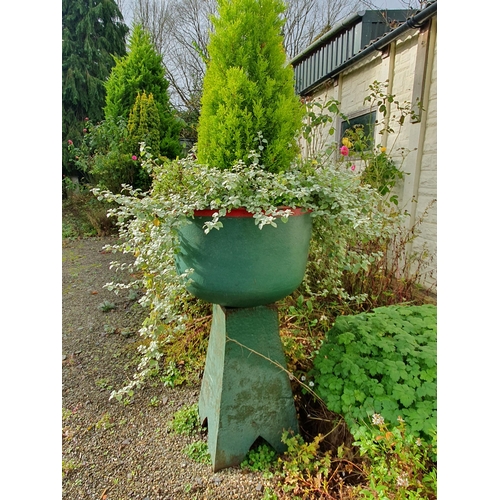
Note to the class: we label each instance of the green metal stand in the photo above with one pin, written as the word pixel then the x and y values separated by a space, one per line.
pixel 245 395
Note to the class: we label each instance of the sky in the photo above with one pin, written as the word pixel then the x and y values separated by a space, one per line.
pixel 391 4
pixel 126 6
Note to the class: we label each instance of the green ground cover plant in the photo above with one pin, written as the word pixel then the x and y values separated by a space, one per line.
pixel 186 421
pixel 382 362
pixel 198 451
pixel 69 466
pixel 260 458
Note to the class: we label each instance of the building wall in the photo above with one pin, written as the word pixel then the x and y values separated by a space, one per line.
pixel 427 186
pixel 409 66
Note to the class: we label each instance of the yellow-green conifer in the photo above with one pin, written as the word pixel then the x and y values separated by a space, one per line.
pixel 248 89
pixel 144 124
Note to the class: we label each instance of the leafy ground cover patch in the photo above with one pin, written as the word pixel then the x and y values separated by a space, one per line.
pixel 382 362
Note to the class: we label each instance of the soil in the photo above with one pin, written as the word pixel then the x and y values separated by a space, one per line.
pixel 113 451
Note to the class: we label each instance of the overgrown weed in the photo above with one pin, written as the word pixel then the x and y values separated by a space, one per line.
pixel 83 215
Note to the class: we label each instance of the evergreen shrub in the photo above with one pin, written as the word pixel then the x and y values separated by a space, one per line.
pixel 142 70
pixel 106 156
pixel 248 101
pixel 382 362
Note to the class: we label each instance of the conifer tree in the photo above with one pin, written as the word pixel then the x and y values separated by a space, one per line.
pixel 248 88
pixel 93 32
pixel 144 124
pixel 141 70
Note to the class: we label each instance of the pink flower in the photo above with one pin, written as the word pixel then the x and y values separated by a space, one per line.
pixel 344 151
pixel 84 130
pixel 134 157
pixel 353 167
pixel 86 119
pixel 70 142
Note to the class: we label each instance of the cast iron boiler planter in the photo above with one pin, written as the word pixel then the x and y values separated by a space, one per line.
pixel 241 265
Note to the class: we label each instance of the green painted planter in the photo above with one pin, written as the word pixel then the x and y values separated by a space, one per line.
pixel 241 265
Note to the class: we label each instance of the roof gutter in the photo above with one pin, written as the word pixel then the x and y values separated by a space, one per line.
pixel 413 22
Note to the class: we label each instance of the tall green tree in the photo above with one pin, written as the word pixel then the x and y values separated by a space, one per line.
pixel 93 32
pixel 141 70
pixel 248 89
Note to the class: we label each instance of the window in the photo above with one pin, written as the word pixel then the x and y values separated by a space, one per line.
pixel 360 130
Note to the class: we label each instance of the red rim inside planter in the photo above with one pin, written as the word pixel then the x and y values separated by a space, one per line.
pixel 242 212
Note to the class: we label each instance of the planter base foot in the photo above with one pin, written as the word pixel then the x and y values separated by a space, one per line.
pixel 244 394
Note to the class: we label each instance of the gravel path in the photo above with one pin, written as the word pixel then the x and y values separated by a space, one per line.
pixel 111 451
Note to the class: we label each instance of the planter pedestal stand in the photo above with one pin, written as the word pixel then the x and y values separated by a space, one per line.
pixel 243 394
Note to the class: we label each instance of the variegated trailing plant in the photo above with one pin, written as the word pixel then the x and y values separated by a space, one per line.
pixel 250 107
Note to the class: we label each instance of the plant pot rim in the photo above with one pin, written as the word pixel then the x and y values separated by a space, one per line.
pixel 243 212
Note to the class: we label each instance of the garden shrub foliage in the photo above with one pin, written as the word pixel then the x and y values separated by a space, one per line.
pixel 106 159
pixel 354 271
pixel 397 464
pixel 110 152
pixel 382 362
pixel 142 70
